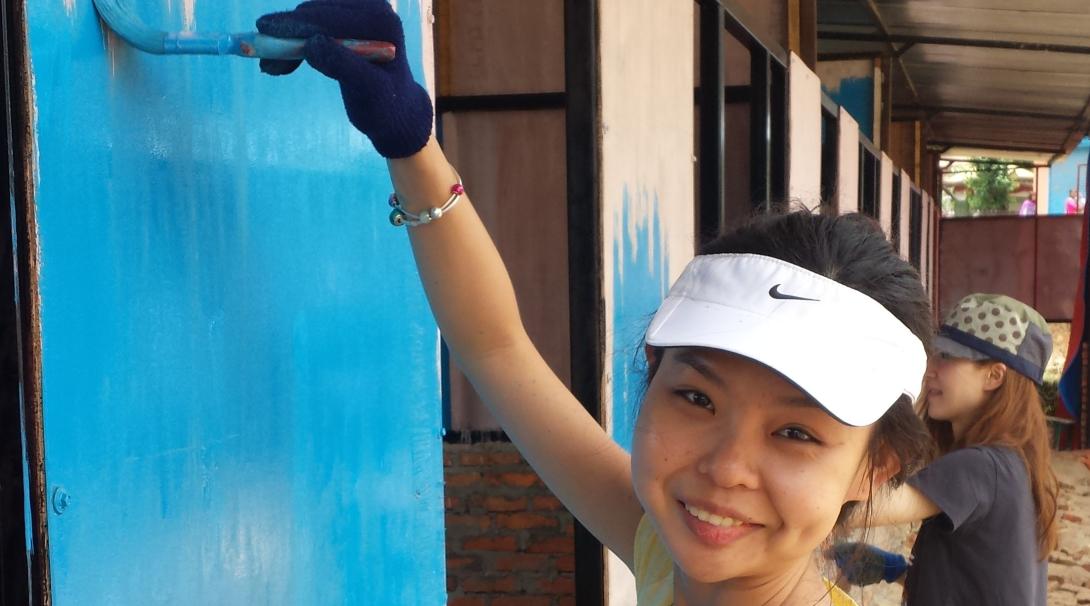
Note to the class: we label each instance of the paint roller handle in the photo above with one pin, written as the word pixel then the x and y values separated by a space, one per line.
pixel 372 50
pixel 261 46
pixel 288 49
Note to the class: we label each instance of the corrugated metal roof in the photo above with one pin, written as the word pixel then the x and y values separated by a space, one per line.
pixel 998 74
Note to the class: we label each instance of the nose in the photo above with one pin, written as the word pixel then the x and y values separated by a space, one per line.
pixel 932 367
pixel 731 459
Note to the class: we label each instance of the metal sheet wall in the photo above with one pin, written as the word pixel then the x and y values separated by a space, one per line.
pixel 1035 260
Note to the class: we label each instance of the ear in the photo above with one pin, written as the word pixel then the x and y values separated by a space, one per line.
pixel 994 375
pixel 868 480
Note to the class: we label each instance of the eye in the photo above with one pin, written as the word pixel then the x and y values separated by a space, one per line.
pixel 696 398
pixel 797 434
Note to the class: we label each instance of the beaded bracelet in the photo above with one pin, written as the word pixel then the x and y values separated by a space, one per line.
pixel 399 216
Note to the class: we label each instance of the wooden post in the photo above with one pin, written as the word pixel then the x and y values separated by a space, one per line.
pixel 794 38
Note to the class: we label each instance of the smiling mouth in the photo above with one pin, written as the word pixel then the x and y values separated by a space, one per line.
pixel 711 518
pixel 713 529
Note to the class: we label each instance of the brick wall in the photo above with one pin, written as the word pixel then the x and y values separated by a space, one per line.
pixel 509 540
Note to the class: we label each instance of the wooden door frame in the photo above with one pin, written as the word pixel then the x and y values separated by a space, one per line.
pixel 24 554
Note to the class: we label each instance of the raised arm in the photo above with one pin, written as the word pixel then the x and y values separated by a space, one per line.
pixel 474 302
pixel 902 505
pixel 464 277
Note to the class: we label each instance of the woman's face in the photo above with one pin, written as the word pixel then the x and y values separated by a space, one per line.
pixel 956 389
pixel 740 472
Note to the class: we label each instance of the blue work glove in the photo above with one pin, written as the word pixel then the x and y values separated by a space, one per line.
pixel 382 99
pixel 864 564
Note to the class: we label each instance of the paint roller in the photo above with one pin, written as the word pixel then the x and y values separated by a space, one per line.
pixel 128 26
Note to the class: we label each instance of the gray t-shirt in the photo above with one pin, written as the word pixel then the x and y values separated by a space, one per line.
pixel 982 549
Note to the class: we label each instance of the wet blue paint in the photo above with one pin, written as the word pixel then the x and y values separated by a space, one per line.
pixel 240 372
pixel 640 282
pixel 124 22
pixel 1063 176
pixel 856 96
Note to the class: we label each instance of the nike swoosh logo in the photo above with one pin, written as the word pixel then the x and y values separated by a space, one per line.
pixel 775 293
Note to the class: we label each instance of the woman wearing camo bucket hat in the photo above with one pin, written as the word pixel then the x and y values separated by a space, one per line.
pixel 988 503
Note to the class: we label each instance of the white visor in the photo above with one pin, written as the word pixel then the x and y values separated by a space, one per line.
pixel 839 346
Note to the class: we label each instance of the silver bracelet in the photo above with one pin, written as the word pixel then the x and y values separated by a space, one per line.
pixel 399 216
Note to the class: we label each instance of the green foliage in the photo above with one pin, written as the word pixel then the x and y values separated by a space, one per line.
pixel 1050 396
pixel 990 187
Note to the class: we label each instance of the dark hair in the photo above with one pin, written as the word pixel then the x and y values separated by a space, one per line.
pixel 853 250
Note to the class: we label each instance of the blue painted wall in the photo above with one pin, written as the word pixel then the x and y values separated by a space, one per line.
pixel 1063 176
pixel 640 282
pixel 856 96
pixel 240 373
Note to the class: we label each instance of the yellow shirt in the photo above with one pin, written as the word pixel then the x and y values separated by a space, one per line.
pixel 655 572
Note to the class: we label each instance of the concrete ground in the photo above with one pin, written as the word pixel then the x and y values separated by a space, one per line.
pixel 1069 564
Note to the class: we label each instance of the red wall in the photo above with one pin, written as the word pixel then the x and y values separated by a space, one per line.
pixel 1033 259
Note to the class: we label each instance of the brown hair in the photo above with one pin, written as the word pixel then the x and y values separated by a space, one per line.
pixel 1012 417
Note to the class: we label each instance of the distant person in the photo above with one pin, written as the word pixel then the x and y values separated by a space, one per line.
pixel 1029 206
pixel 989 501
pixel 1071 204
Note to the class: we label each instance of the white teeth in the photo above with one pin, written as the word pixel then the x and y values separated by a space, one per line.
pixel 711 518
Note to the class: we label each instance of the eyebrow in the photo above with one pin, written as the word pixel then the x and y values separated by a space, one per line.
pixel 693 359
pixel 802 401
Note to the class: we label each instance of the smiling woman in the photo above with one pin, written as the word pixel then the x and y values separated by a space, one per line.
pixel 759 432
pixel 728 452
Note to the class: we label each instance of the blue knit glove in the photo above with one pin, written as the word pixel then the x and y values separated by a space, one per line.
pixel 864 564
pixel 382 99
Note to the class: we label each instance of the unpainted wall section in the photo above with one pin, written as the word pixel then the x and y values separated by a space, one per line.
pixel 927 255
pixel 885 195
pixel 647 177
pixel 804 135
pixel 648 207
pixel 239 370
pixel 903 147
pixel 905 219
pixel 1033 259
pixel 768 19
pixel 513 160
pixel 495 47
pixel 509 540
pixel 847 189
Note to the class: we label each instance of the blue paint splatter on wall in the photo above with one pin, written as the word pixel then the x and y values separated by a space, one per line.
pixel 856 96
pixel 240 371
pixel 640 281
